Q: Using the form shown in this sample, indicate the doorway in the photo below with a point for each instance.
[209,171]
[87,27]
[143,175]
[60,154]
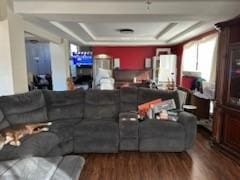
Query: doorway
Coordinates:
[38,62]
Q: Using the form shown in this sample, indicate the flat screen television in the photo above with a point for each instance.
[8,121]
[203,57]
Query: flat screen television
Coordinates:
[82,58]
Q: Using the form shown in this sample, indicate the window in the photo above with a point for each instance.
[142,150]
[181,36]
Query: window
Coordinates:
[200,56]
[190,57]
[73,48]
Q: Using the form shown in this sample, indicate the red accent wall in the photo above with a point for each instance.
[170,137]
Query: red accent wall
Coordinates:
[130,57]
[134,57]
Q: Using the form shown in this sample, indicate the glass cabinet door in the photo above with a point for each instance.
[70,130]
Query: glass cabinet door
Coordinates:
[156,68]
[234,77]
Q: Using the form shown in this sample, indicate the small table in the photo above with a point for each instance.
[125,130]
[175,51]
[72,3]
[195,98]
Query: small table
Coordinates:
[190,108]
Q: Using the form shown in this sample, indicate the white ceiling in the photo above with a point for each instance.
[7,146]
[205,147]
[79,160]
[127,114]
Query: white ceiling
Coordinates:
[95,22]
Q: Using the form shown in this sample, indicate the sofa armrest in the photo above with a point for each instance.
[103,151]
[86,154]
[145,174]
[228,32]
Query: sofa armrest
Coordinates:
[128,125]
[128,116]
[128,131]
[189,122]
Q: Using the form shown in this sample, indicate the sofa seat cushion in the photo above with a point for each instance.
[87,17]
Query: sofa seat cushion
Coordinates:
[157,136]
[96,136]
[63,148]
[63,128]
[24,108]
[102,129]
[64,104]
[34,145]
[54,168]
[152,128]
[101,104]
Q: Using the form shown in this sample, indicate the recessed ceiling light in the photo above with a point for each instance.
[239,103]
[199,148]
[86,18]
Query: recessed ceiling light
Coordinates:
[34,41]
[125,31]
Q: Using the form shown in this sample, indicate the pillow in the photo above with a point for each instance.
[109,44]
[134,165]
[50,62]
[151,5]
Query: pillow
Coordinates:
[161,107]
[143,108]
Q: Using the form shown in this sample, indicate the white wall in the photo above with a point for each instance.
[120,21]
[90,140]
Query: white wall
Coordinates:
[6,75]
[13,73]
[18,53]
[13,66]
[60,65]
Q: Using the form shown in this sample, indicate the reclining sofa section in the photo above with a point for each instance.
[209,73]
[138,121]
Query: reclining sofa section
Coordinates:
[88,122]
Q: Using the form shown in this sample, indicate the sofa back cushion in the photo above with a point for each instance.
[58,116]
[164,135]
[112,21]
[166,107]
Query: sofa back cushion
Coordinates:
[146,95]
[128,99]
[1,116]
[64,104]
[24,108]
[101,105]
[3,122]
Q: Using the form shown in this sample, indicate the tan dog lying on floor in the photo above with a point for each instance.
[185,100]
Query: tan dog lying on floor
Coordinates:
[70,84]
[12,135]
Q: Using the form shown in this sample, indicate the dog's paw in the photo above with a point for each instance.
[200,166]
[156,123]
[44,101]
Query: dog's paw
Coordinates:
[1,146]
[49,123]
[45,129]
[13,143]
[18,143]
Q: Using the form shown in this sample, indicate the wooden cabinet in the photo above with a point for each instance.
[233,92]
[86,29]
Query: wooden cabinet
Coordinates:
[226,130]
[231,131]
[102,61]
[164,69]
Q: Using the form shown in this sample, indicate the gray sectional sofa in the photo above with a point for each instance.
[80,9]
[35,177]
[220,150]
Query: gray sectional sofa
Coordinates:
[88,122]
[38,168]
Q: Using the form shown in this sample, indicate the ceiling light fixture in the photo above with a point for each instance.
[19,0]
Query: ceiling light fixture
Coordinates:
[126,31]
[148,3]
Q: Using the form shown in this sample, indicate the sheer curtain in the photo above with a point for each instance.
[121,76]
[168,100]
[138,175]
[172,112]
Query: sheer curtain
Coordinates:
[201,56]
[73,48]
[214,62]
[207,50]
[190,56]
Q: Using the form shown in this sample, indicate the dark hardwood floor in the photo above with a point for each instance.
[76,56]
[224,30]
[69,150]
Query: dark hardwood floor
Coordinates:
[200,163]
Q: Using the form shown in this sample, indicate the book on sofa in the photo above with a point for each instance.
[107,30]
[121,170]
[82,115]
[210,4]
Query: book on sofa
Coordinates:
[162,110]
[164,105]
[143,109]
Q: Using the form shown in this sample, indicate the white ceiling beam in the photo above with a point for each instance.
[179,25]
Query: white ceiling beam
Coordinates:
[165,30]
[40,32]
[126,7]
[115,39]
[61,13]
[186,31]
[68,31]
[132,43]
[88,31]
[123,18]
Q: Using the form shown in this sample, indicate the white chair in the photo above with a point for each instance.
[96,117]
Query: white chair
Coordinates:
[104,79]
[107,84]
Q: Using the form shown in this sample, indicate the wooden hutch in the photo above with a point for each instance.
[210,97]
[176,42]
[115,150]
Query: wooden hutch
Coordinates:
[226,124]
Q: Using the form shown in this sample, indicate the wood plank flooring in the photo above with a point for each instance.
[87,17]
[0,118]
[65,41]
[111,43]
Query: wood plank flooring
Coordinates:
[200,163]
